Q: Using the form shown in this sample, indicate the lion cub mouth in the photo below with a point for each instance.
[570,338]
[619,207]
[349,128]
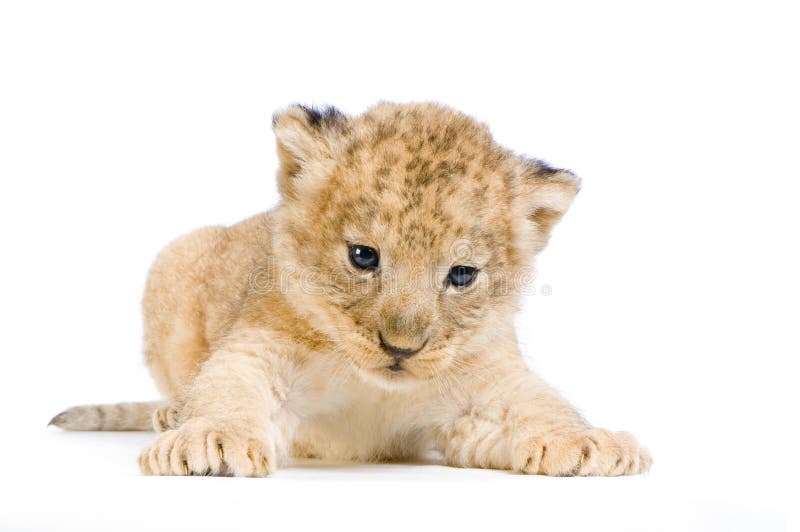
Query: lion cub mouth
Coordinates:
[396,373]
[395,367]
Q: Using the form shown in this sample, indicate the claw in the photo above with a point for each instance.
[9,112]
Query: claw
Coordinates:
[220,452]
[185,468]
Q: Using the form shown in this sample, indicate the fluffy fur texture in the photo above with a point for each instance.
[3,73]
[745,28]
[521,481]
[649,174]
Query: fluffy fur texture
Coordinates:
[269,343]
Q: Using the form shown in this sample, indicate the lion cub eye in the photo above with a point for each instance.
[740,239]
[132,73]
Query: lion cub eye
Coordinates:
[364,257]
[461,276]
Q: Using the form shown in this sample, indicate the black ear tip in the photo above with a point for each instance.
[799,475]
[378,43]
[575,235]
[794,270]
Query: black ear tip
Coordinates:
[326,116]
[317,117]
[544,169]
[537,168]
[313,115]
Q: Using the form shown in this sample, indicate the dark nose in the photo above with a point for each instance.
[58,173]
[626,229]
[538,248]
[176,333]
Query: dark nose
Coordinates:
[400,353]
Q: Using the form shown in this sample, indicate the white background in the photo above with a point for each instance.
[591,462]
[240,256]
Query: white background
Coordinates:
[674,303]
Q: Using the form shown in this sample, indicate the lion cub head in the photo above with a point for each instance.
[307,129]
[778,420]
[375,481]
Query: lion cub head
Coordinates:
[408,232]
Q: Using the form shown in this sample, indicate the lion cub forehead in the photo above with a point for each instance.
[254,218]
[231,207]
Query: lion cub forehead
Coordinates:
[421,157]
[423,173]
[428,140]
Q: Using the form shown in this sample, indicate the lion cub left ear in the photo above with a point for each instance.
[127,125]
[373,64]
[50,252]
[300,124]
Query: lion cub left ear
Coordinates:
[305,135]
[544,196]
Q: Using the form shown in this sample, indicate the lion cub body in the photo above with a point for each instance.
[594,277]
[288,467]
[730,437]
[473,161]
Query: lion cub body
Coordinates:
[269,340]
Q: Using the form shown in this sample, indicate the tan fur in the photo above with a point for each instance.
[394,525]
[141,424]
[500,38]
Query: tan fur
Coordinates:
[267,340]
[120,416]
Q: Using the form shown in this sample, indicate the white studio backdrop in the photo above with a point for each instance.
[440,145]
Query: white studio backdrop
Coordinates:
[665,304]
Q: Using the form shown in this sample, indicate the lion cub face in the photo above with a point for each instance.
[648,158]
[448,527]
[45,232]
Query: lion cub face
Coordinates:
[408,232]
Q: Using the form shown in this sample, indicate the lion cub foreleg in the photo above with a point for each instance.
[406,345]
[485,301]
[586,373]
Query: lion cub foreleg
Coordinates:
[520,423]
[231,420]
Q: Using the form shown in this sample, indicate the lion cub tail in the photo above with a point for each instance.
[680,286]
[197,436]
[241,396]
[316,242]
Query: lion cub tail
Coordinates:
[119,416]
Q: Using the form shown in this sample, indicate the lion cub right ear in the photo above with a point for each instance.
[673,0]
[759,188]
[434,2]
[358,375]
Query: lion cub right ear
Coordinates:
[305,136]
[543,196]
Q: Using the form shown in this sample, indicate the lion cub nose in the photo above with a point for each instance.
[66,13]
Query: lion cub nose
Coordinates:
[400,353]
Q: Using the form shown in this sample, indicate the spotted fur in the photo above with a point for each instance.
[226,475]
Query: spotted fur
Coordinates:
[269,343]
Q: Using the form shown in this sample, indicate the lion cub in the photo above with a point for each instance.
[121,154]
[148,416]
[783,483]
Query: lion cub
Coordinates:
[369,316]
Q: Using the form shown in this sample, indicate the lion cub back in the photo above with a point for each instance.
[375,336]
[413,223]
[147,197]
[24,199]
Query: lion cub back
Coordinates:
[193,294]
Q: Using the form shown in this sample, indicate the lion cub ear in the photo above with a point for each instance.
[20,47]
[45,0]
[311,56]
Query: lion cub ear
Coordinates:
[545,195]
[304,135]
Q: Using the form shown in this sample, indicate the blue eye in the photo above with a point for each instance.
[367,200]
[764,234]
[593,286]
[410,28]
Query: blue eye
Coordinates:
[364,257]
[461,276]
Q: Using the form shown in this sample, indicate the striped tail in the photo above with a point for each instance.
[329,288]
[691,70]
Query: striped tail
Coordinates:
[119,416]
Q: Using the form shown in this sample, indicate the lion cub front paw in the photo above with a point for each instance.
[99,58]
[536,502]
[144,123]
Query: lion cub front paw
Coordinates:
[592,452]
[197,448]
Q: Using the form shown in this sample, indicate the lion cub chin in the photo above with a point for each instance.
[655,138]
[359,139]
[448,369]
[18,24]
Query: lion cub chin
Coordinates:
[369,316]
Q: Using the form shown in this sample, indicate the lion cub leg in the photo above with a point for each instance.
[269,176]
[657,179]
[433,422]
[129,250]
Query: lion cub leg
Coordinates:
[530,429]
[231,421]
